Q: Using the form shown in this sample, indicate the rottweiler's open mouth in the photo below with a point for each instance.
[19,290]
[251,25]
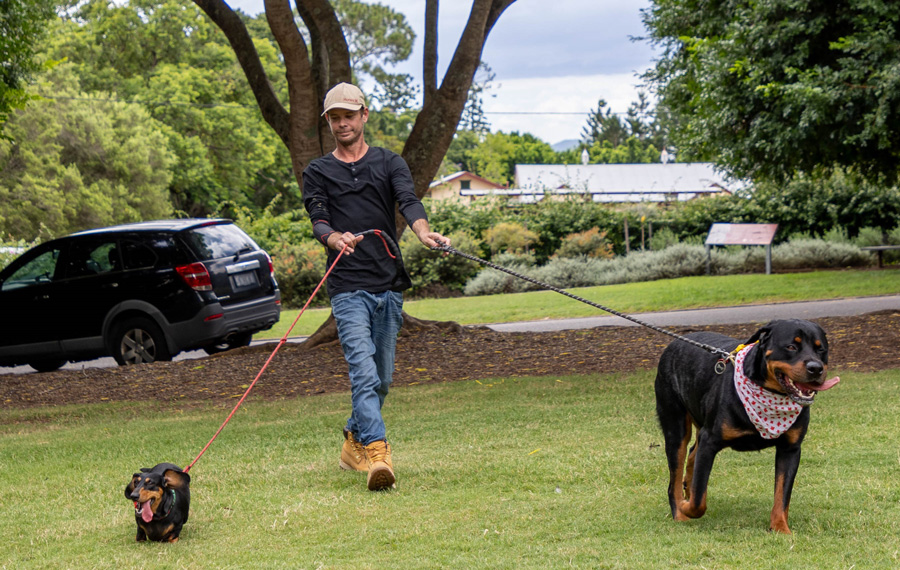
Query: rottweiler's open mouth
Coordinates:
[803,393]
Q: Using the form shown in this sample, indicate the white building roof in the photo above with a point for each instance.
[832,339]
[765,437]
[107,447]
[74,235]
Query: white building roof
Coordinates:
[608,182]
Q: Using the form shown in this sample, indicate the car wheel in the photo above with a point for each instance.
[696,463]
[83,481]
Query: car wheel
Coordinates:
[234,341]
[47,365]
[137,341]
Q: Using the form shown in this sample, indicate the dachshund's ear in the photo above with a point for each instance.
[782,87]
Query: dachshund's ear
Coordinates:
[761,334]
[176,479]
[131,485]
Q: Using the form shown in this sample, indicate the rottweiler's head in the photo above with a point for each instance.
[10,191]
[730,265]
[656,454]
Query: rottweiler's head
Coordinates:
[791,358]
[148,487]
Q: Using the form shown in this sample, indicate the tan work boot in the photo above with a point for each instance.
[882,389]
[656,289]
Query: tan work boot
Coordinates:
[353,454]
[381,468]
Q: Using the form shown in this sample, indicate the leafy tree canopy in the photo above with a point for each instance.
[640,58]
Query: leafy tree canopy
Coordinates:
[22,27]
[79,162]
[495,155]
[771,88]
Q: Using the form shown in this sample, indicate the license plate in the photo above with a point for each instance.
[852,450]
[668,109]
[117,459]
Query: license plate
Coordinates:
[245,280]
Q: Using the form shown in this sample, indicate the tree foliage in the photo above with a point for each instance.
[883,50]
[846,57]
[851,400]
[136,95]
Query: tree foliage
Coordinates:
[75,163]
[771,88]
[809,205]
[495,155]
[168,56]
[22,27]
[376,36]
[604,125]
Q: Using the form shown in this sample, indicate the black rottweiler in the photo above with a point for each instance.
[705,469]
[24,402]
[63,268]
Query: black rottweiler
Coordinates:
[162,498]
[782,372]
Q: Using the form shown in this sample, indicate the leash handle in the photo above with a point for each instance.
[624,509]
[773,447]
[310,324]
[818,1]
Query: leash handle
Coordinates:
[390,246]
[726,356]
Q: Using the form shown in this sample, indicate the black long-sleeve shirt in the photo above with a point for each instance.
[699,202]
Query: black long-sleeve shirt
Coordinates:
[358,196]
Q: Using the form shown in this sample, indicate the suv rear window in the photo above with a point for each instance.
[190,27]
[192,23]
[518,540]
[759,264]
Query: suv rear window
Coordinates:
[214,242]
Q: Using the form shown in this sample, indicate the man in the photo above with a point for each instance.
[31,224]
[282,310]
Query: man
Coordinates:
[353,189]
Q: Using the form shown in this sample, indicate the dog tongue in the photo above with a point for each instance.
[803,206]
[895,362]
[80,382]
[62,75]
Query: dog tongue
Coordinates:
[146,513]
[825,385]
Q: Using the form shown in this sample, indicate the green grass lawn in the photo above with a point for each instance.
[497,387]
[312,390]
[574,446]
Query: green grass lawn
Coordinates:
[663,295]
[553,472]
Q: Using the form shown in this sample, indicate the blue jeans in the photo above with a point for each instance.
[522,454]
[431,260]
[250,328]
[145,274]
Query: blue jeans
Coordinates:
[367,327]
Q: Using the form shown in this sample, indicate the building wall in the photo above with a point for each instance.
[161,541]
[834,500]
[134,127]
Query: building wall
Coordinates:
[452,190]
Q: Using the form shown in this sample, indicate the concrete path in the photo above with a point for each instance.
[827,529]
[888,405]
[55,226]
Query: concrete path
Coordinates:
[717,316]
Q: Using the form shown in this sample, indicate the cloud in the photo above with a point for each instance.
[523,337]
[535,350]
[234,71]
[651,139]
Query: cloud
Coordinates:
[560,56]
[575,94]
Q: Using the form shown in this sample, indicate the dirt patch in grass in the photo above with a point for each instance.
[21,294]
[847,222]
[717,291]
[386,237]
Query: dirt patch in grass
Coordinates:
[860,343]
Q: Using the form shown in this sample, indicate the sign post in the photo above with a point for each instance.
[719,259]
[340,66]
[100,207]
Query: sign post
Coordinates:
[741,234]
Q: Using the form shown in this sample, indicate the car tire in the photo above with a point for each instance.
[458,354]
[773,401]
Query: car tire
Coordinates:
[47,365]
[138,341]
[235,341]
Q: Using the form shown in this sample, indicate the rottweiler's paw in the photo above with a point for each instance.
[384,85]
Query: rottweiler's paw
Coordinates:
[689,511]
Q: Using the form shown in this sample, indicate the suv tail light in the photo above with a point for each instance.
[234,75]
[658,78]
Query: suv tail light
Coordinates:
[271,265]
[196,276]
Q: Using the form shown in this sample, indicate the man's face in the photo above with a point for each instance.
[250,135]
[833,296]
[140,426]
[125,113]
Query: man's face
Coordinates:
[346,125]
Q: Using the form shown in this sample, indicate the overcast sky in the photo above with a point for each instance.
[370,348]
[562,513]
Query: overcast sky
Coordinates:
[549,56]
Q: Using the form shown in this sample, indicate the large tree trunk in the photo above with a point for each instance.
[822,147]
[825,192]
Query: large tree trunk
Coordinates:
[312,70]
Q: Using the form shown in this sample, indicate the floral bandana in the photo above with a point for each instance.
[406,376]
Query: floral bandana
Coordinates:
[771,413]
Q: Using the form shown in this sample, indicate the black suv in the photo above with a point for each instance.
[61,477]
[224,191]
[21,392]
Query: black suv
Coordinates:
[139,293]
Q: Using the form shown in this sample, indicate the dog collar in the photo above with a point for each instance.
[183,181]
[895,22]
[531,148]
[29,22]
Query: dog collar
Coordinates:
[772,413]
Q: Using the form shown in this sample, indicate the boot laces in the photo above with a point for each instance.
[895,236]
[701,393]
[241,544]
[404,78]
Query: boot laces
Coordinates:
[377,451]
[359,450]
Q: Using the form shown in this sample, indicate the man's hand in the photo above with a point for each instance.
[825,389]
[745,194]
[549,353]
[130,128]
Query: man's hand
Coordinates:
[338,241]
[428,237]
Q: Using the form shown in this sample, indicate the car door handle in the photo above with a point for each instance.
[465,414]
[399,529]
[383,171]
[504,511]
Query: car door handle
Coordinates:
[109,285]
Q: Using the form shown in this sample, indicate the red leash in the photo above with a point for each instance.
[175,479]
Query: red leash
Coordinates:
[271,356]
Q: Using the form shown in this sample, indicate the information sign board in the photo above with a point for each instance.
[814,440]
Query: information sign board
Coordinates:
[741,234]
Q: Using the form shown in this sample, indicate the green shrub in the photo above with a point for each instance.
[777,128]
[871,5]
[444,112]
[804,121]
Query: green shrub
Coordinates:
[434,274]
[491,281]
[299,269]
[816,254]
[569,272]
[590,243]
[681,260]
[509,237]
[269,230]
[663,238]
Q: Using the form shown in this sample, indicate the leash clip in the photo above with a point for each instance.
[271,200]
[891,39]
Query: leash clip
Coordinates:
[722,363]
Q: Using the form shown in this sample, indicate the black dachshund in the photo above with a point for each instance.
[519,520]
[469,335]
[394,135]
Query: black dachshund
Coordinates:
[761,401]
[162,498]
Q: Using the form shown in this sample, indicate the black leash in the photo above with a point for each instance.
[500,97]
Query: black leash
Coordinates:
[724,354]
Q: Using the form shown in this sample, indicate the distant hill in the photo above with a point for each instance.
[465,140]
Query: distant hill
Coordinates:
[565,145]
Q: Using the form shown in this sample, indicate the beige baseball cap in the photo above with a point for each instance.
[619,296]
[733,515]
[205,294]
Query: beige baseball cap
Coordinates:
[344,96]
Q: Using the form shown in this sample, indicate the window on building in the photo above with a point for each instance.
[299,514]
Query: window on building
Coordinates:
[465,184]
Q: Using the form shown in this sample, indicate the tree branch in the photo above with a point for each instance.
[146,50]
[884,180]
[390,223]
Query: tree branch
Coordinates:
[231,25]
[430,137]
[330,59]
[430,56]
[328,36]
[304,115]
